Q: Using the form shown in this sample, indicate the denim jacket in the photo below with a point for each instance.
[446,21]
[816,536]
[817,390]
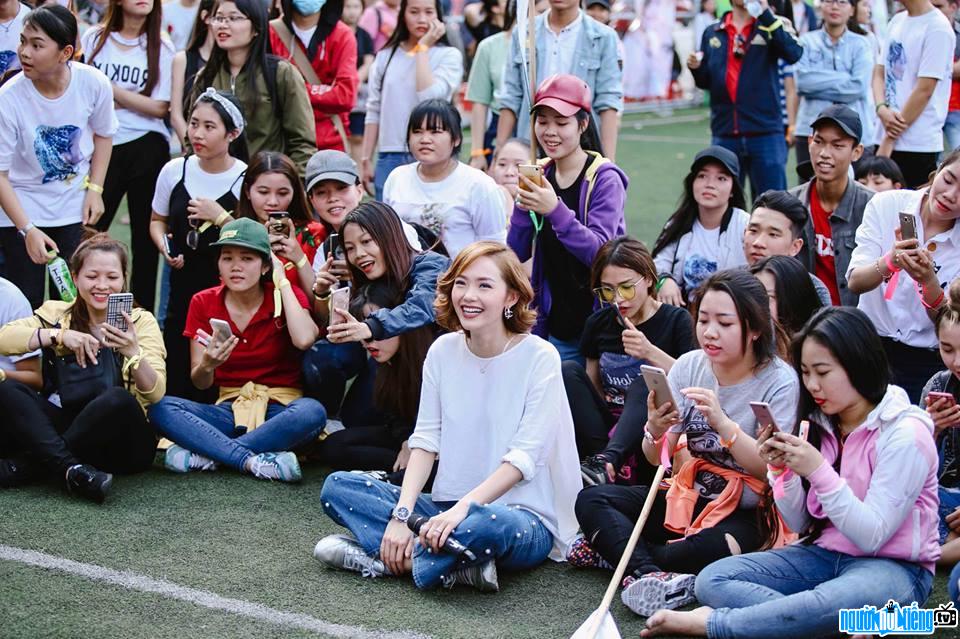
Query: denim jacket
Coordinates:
[596,62]
[829,73]
[417,307]
[843,230]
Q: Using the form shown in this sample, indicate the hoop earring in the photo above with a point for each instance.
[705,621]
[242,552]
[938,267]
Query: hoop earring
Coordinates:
[507,313]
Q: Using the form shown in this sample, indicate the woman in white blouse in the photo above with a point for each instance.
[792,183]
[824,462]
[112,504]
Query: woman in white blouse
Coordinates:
[494,410]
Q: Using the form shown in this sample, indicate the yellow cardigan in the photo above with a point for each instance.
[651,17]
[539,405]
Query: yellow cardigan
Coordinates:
[15,336]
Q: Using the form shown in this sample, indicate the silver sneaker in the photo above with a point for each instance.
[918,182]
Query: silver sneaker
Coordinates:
[658,590]
[343,552]
[483,577]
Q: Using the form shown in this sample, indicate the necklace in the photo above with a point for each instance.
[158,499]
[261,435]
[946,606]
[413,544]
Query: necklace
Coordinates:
[6,25]
[486,365]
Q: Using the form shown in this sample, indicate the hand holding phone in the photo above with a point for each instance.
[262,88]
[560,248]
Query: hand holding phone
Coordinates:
[221,330]
[117,305]
[933,396]
[533,172]
[908,226]
[656,379]
[761,410]
[339,299]
[278,223]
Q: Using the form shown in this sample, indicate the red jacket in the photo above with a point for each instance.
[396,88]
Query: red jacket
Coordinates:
[336,66]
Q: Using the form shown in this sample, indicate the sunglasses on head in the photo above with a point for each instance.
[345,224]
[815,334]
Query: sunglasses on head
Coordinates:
[626,291]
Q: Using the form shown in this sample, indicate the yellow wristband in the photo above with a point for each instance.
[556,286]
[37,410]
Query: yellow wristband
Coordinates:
[222,219]
[133,363]
[302,261]
[91,186]
[284,283]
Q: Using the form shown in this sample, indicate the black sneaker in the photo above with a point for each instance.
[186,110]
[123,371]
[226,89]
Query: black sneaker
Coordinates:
[17,472]
[88,482]
[593,470]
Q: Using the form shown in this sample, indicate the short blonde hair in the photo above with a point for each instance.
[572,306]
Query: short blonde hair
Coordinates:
[512,273]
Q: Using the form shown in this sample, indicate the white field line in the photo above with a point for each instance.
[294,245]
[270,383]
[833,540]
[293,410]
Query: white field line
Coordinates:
[135,581]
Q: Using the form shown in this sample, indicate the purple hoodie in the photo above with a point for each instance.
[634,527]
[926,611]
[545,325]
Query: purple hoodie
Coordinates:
[582,235]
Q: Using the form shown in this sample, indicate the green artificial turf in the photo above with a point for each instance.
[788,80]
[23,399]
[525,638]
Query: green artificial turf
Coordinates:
[252,540]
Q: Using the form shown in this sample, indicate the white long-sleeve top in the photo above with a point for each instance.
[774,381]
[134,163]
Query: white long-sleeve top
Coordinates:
[477,413]
[883,502]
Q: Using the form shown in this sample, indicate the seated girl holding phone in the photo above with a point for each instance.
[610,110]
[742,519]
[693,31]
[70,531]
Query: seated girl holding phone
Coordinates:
[261,414]
[83,442]
[381,442]
[564,218]
[192,200]
[632,329]
[904,259]
[273,194]
[939,399]
[493,411]
[717,505]
[863,490]
[378,248]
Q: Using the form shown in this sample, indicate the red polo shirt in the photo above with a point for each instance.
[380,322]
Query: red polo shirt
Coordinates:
[733,62]
[265,354]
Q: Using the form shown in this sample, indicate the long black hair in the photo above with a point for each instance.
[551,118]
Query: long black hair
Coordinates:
[198,35]
[113,23]
[329,16]
[258,63]
[797,299]
[402,33]
[682,219]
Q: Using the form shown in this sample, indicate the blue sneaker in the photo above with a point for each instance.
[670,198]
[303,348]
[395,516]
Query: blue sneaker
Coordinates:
[280,466]
[180,460]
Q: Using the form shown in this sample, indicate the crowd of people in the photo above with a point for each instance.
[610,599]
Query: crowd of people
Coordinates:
[478,349]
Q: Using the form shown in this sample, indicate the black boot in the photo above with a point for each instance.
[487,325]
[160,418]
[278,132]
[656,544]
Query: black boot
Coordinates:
[88,482]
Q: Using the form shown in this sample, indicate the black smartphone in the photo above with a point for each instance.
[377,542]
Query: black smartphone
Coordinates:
[169,246]
[278,223]
[336,251]
[619,316]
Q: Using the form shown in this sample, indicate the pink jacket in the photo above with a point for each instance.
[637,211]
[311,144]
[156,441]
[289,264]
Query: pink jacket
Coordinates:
[883,503]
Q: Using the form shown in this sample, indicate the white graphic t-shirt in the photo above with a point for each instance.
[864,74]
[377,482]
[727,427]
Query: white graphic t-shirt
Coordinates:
[10,40]
[127,69]
[463,208]
[702,257]
[919,47]
[46,145]
[178,22]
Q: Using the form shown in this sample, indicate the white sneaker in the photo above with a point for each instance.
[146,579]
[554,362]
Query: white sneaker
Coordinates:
[343,552]
[180,460]
[658,590]
[282,466]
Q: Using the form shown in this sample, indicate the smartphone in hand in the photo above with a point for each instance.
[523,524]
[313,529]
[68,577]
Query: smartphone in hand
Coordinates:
[761,410]
[221,330]
[278,225]
[339,298]
[533,172]
[908,226]
[117,305]
[656,379]
[934,396]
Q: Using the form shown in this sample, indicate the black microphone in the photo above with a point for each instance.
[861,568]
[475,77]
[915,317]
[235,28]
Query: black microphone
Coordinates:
[451,545]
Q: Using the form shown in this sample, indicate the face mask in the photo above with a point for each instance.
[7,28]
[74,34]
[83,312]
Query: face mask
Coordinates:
[308,7]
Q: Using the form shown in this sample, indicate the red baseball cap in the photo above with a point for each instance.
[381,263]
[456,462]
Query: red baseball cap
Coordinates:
[566,94]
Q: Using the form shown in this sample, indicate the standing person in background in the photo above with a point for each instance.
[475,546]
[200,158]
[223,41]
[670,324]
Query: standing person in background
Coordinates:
[310,31]
[350,16]
[186,65]
[705,234]
[836,67]
[436,69]
[741,76]
[130,48]
[274,99]
[379,20]
[486,76]
[179,17]
[951,127]
[12,13]
[566,44]
[706,16]
[805,16]
[563,221]
[911,87]
[835,202]
[458,203]
[56,123]
[902,282]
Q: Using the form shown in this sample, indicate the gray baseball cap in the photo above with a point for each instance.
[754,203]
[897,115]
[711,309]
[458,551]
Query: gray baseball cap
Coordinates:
[331,165]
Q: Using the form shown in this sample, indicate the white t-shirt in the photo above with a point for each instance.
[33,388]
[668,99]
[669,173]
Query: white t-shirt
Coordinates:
[10,40]
[919,47]
[903,317]
[13,306]
[198,182]
[305,35]
[478,413]
[392,98]
[127,69]
[561,48]
[46,145]
[703,256]
[461,209]
[178,22]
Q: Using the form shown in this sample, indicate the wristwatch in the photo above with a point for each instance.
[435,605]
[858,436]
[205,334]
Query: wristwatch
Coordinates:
[23,232]
[401,514]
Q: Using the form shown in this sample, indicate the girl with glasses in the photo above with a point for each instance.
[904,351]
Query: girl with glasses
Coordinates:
[631,329]
[271,90]
[190,203]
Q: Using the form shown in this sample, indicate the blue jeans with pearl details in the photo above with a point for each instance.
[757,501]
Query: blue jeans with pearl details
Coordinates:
[514,537]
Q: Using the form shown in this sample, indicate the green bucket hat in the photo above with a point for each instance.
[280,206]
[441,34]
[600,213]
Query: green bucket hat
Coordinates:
[245,233]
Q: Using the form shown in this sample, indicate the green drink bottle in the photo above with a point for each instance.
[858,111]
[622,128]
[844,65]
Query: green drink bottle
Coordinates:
[60,274]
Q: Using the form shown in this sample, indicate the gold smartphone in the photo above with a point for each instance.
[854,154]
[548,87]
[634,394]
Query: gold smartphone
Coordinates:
[533,172]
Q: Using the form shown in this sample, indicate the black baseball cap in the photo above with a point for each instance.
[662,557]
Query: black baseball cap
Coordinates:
[843,117]
[726,157]
[603,3]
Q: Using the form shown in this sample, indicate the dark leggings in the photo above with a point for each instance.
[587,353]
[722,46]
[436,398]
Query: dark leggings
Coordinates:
[361,448]
[110,433]
[608,513]
[31,278]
